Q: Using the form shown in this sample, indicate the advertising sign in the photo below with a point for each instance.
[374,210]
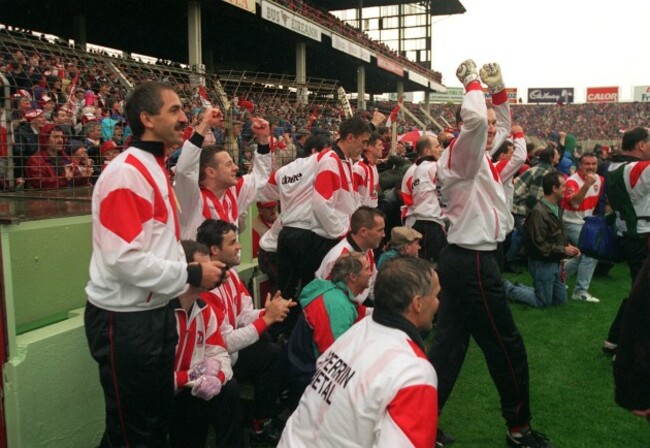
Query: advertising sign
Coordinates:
[642,94]
[248,5]
[550,95]
[390,66]
[290,21]
[602,94]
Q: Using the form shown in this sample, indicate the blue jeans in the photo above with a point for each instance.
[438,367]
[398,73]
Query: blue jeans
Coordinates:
[548,288]
[583,265]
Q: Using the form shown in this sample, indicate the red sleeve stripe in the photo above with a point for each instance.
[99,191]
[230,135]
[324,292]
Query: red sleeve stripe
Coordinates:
[637,170]
[317,318]
[260,325]
[500,97]
[415,411]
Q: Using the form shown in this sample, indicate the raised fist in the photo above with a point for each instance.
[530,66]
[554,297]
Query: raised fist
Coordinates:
[491,77]
[466,72]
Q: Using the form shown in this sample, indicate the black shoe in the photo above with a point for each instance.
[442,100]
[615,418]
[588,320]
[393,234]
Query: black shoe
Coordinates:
[511,268]
[443,439]
[269,436]
[528,439]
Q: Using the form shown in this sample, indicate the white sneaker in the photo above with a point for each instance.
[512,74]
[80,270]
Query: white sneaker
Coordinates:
[585,297]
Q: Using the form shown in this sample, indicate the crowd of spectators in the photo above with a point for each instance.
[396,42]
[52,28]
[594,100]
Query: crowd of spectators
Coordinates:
[42,75]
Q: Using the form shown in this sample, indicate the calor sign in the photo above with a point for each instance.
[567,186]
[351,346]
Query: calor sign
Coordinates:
[602,94]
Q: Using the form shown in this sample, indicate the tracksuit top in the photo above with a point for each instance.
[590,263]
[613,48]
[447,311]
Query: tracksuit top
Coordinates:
[426,206]
[293,186]
[471,188]
[628,189]
[198,338]
[508,168]
[406,192]
[344,246]
[138,262]
[269,241]
[334,198]
[373,387]
[330,310]
[367,180]
[241,324]
[574,183]
[198,204]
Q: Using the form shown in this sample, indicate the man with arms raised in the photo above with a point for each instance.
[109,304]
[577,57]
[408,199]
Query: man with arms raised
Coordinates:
[473,301]
[206,180]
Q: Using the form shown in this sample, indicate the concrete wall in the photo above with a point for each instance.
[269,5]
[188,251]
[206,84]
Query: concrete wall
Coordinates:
[52,395]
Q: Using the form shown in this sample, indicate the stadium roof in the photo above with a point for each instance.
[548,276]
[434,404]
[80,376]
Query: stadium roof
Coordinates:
[437,7]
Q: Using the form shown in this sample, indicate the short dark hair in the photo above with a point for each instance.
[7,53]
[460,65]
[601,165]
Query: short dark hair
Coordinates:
[503,149]
[207,159]
[211,232]
[145,98]
[546,155]
[316,142]
[192,247]
[381,130]
[374,136]
[399,281]
[634,136]
[364,216]
[354,125]
[550,180]
[346,264]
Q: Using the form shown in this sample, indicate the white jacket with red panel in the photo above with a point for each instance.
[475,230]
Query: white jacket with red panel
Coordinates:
[471,188]
[373,387]
[138,262]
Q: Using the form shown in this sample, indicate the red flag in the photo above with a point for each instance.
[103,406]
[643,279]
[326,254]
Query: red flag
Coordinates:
[393,115]
[203,94]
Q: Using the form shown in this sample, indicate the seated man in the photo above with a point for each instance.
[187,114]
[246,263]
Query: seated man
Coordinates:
[206,393]
[329,309]
[366,232]
[256,358]
[374,385]
[404,242]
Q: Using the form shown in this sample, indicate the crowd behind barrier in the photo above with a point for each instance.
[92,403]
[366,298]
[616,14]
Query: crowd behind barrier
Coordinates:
[42,75]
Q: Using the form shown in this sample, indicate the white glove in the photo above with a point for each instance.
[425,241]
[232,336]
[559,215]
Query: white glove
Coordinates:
[208,366]
[491,77]
[206,387]
[466,72]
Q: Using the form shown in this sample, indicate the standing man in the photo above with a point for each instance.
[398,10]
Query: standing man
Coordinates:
[366,174]
[473,301]
[137,266]
[581,197]
[628,189]
[301,137]
[373,386]
[426,210]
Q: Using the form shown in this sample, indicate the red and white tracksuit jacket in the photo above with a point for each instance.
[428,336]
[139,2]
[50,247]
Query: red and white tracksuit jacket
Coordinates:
[508,168]
[242,324]
[426,206]
[198,338]
[471,188]
[138,262]
[406,192]
[293,186]
[335,195]
[344,246]
[373,387]
[577,215]
[367,181]
[198,204]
